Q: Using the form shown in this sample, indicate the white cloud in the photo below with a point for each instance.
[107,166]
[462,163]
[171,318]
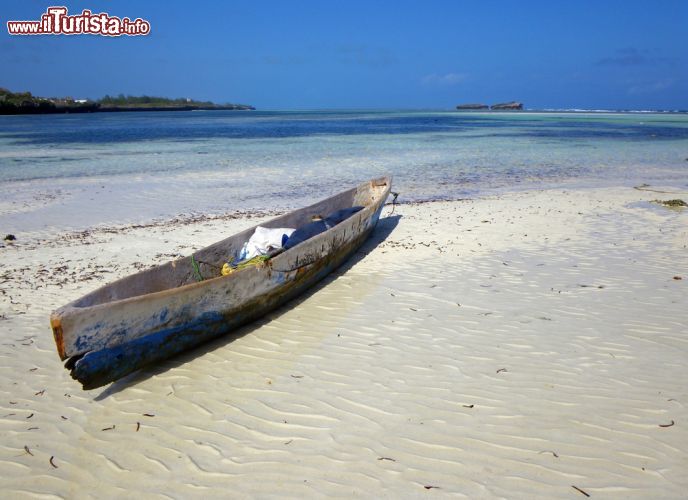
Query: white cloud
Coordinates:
[445,80]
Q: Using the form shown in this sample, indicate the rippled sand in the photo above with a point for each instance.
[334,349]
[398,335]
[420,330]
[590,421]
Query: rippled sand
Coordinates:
[511,346]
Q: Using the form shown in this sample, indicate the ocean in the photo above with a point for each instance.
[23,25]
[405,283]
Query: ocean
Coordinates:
[72,172]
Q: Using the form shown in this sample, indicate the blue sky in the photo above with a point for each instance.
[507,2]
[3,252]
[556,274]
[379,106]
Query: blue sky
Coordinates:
[367,54]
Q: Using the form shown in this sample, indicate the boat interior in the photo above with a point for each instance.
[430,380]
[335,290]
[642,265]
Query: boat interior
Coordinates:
[208,261]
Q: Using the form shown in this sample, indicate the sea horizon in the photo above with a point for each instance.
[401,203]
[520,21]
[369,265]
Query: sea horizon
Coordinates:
[392,109]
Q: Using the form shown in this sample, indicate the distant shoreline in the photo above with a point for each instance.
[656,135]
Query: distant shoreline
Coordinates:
[117,109]
[24,103]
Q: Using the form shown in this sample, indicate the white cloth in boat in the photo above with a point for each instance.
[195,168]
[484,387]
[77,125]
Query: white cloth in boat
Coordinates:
[263,240]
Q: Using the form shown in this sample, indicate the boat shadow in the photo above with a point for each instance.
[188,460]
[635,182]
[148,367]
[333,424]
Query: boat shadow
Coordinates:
[384,228]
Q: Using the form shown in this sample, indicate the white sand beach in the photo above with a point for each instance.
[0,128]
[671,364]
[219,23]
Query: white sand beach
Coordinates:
[524,345]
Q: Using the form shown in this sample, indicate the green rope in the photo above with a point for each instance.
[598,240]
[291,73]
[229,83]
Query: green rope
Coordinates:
[196,269]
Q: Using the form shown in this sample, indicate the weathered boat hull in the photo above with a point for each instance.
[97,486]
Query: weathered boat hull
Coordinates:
[98,368]
[114,338]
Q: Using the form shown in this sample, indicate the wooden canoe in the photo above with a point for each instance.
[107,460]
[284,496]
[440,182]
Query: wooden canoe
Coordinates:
[157,313]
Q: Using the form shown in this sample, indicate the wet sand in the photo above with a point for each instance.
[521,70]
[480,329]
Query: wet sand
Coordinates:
[529,344]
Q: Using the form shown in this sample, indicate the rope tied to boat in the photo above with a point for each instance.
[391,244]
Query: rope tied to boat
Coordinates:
[394,201]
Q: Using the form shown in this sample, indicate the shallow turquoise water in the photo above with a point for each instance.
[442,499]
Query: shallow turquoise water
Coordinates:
[75,171]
